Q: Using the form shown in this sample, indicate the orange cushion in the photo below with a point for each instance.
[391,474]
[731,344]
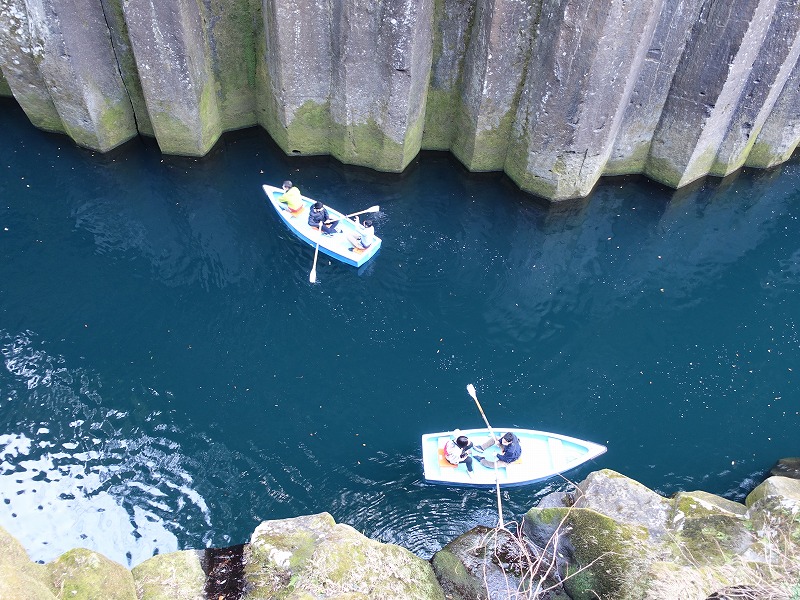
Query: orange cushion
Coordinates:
[443,462]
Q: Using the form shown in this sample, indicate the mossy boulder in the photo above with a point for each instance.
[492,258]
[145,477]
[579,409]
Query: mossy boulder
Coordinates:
[709,529]
[785,489]
[14,559]
[14,583]
[624,500]
[634,544]
[172,576]
[313,557]
[82,574]
[483,563]
[596,555]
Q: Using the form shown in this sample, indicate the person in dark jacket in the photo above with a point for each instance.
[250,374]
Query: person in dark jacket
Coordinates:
[510,450]
[318,218]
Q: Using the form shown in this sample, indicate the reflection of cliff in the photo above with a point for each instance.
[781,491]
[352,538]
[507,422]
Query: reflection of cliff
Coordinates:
[556,93]
[618,250]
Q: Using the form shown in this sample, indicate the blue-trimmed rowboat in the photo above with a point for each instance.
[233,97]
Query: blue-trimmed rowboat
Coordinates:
[543,455]
[337,245]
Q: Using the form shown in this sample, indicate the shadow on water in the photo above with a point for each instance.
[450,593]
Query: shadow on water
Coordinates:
[171,378]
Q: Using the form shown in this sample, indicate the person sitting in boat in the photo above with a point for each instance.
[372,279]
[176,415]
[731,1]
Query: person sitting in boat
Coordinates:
[318,218]
[291,197]
[364,236]
[458,451]
[510,450]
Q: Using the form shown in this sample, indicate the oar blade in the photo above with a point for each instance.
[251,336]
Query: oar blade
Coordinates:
[471,391]
[375,208]
[312,277]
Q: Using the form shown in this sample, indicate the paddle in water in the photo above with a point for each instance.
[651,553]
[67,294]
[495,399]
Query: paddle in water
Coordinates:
[371,209]
[312,277]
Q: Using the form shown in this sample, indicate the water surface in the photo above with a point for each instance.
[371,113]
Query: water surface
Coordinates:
[170,377]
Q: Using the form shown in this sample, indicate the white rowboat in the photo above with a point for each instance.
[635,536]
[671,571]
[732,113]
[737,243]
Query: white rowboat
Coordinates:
[543,455]
[336,245]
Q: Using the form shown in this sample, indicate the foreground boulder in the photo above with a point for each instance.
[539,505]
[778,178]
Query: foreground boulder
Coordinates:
[487,563]
[313,557]
[171,576]
[620,540]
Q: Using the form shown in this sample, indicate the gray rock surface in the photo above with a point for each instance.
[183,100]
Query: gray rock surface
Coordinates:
[787,467]
[60,56]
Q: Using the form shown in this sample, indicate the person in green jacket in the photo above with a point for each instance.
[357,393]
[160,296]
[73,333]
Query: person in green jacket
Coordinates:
[292,198]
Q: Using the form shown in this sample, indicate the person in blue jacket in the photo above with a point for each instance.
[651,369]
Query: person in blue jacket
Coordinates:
[318,219]
[510,450]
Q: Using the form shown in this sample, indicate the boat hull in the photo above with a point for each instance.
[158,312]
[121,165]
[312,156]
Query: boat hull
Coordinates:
[543,455]
[337,245]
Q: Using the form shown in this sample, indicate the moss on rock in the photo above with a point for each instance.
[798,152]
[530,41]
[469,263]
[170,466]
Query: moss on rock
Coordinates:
[313,557]
[82,574]
[14,557]
[5,89]
[172,576]
[16,584]
[310,131]
[481,560]
[367,145]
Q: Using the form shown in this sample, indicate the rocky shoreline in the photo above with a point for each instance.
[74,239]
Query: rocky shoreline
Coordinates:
[610,537]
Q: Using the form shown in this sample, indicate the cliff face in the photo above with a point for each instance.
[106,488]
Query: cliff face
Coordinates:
[556,93]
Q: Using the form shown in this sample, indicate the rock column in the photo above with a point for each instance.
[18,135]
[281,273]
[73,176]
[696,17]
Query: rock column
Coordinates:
[173,60]
[585,61]
[60,64]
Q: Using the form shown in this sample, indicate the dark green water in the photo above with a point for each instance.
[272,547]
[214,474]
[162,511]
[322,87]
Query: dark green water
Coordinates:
[171,378]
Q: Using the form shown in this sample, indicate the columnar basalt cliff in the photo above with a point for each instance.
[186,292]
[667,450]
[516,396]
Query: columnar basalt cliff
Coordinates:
[555,93]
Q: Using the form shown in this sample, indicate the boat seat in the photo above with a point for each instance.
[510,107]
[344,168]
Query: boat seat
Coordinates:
[556,448]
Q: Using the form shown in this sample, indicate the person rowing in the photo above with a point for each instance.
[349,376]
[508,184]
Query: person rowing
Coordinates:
[318,218]
[364,235]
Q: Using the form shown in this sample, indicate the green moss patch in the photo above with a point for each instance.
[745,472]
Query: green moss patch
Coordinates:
[81,574]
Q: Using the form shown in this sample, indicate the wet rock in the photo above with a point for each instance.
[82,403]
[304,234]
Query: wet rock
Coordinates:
[787,467]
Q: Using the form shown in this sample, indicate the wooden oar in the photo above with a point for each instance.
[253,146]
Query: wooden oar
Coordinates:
[361,212]
[471,391]
[312,277]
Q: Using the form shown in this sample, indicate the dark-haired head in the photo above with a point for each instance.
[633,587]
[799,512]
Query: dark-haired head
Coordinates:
[317,205]
[367,223]
[462,441]
[509,437]
[287,184]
